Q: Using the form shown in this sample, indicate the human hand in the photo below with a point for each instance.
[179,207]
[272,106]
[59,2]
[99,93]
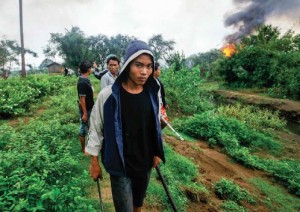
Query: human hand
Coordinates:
[84,117]
[95,169]
[156,161]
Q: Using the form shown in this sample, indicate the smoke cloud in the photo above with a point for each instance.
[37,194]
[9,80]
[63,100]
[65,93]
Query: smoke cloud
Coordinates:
[251,14]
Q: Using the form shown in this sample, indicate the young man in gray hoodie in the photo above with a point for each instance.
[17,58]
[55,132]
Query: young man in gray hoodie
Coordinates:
[125,128]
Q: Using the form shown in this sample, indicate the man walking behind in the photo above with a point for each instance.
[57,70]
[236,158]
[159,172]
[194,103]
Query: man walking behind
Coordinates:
[86,100]
[125,127]
[109,78]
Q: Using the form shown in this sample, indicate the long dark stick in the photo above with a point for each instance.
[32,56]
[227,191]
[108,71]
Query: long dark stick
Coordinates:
[166,188]
[99,191]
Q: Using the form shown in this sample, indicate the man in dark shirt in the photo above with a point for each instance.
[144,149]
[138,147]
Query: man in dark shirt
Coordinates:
[125,127]
[86,100]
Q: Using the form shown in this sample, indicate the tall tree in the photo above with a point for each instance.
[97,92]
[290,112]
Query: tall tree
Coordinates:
[98,49]
[71,46]
[160,47]
[101,46]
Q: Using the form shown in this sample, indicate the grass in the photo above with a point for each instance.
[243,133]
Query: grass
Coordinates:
[277,198]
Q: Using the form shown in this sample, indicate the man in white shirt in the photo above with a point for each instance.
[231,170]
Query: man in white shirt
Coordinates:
[109,78]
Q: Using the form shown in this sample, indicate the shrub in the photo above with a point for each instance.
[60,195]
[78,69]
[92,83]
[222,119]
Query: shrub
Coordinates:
[228,190]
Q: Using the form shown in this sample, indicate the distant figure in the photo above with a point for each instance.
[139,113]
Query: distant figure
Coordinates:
[161,96]
[66,72]
[97,73]
[109,78]
[162,89]
[86,100]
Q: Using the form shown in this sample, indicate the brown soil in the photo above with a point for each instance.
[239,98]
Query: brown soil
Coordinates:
[213,165]
[288,108]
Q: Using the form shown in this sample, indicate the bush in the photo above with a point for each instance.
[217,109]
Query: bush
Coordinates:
[228,190]
[184,93]
[228,132]
[232,206]
[17,94]
[253,116]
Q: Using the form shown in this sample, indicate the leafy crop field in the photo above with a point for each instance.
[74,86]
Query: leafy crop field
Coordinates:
[43,169]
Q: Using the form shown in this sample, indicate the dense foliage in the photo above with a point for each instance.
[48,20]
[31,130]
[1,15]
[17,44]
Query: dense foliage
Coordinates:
[40,162]
[266,60]
[17,95]
[183,91]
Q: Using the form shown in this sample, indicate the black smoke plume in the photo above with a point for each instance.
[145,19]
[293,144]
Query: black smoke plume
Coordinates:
[251,14]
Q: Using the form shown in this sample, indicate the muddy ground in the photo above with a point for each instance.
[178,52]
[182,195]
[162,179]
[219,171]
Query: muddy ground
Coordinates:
[213,165]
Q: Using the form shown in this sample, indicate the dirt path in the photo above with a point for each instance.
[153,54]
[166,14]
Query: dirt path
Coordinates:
[15,121]
[288,108]
[213,165]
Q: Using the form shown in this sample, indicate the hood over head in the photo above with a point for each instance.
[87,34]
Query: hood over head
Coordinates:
[135,49]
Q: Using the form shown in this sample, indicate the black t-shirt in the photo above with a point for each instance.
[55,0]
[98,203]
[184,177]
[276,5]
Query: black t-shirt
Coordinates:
[84,88]
[138,128]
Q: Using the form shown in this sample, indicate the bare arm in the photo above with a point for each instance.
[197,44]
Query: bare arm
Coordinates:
[83,108]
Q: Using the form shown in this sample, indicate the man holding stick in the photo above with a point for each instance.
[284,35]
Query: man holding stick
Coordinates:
[125,127]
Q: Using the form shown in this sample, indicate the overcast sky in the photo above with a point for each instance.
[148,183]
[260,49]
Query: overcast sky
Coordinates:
[195,25]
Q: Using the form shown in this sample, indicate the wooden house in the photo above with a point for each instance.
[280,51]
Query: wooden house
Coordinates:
[54,68]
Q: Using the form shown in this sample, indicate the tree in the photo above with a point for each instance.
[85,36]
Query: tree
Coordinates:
[176,59]
[206,61]
[160,47]
[117,44]
[101,46]
[98,49]
[72,47]
[9,55]
[266,60]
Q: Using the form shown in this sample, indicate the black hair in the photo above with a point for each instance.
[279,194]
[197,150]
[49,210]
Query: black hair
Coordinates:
[156,65]
[85,66]
[112,57]
[125,73]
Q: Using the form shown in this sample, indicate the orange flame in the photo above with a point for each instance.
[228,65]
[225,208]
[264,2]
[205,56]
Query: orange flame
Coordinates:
[228,50]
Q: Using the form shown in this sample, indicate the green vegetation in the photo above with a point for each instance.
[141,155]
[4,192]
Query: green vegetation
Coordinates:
[266,60]
[228,190]
[229,206]
[241,142]
[252,116]
[228,132]
[180,86]
[17,95]
[180,173]
[276,198]
[39,161]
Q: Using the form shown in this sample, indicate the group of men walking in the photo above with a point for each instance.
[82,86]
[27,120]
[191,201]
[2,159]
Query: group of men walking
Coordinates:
[124,125]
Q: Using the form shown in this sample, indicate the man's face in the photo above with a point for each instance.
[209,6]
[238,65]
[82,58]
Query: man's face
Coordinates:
[157,72]
[113,66]
[140,69]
